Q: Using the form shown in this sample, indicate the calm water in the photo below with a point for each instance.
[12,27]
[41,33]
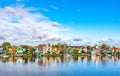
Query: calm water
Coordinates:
[60,66]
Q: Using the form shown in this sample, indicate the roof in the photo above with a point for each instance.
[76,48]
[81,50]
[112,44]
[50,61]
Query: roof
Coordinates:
[115,49]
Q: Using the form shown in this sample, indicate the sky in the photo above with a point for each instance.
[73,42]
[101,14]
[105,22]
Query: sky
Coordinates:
[76,22]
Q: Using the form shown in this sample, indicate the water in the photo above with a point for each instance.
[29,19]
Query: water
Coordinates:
[60,66]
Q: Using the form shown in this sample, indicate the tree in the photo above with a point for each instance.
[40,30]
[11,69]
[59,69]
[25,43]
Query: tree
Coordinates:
[53,54]
[6,44]
[104,46]
[69,50]
[88,47]
[64,47]
[75,51]
[48,52]
[26,51]
[53,46]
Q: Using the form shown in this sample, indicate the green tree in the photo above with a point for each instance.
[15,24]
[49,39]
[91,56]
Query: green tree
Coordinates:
[26,51]
[6,44]
[75,51]
[48,52]
[104,46]
[88,47]
[53,46]
[53,54]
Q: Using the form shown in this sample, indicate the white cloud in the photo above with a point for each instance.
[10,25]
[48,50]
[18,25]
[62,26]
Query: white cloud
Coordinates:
[55,38]
[20,23]
[54,7]
[109,41]
[77,39]
[2,37]
[55,24]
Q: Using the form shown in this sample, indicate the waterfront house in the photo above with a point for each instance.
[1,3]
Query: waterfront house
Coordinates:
[80,51]
[115,51]
[44,48]
[57,49]
[14,48]
[69,50]
[109,52]
[20,50]
[85,49]
[62,48]
[93,51]
[98,50]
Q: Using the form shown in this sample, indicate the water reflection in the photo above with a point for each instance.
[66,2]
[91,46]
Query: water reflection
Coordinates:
[60,66]
[46,61]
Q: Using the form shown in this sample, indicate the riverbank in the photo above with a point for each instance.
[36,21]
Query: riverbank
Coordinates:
[58,55]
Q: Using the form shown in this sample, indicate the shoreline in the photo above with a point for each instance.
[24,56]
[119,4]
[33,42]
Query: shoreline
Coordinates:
[27,56]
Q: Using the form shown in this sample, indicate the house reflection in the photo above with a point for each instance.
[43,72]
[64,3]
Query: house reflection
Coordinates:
[115,58]
[44,61]
[48,61]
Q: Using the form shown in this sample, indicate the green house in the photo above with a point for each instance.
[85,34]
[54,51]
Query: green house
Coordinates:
[93,51]
[109,51]
[19,51]
[69,50]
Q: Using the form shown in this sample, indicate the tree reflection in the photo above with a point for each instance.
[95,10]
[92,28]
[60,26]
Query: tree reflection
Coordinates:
[25,60]
[75,58]
[47,61]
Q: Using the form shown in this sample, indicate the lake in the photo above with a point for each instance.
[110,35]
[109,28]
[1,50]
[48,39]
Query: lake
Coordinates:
[61,66]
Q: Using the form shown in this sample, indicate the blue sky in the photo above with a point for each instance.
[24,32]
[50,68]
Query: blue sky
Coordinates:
[87,19]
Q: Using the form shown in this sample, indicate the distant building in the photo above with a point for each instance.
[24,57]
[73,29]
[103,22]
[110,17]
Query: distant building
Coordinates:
[98,50]
[114,49]
[85,49]
[93,51]
[44,48]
